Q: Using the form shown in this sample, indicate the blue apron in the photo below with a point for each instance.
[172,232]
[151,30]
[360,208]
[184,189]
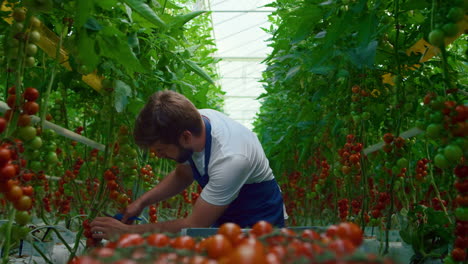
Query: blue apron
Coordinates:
[255,202]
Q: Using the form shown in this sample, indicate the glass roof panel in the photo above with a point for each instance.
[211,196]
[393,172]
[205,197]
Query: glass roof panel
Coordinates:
[241,44]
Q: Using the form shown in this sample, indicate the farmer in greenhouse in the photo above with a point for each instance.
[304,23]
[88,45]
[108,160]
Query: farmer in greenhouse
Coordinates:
[224,157]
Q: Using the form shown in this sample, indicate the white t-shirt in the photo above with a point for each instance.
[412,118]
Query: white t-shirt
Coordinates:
[237,158]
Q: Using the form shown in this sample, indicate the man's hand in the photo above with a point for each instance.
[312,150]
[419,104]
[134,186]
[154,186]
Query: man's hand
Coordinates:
[133,209]
[108,228]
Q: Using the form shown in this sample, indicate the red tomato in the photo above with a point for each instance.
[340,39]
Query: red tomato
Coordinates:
[158,240]
[5,155]
[459,254]
[31,94]
[11,100]
[24,203]
[3,124]
[103,252]
[183,242]
[218,246]
[246,254]
[278,250]
[310,234]
[261,228]
[24,120]
[197,259]
[342,247]
[31,108]
[129,240]
[252,242]
[350,231]
[331,231]
[7,172]
[231,231]
[14,193]
[28,190]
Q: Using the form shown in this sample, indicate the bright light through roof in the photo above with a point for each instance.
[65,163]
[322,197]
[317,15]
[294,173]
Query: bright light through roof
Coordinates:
[241,47]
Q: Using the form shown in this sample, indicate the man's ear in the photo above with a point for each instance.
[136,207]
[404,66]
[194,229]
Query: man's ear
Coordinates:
[186,138]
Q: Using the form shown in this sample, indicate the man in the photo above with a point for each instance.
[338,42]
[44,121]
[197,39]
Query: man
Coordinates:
[223,156]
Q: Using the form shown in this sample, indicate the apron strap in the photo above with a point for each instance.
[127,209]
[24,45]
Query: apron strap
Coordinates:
[203,179]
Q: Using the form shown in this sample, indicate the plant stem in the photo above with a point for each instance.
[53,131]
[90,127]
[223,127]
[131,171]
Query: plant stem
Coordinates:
[6,248]
[436,190]
[52,77]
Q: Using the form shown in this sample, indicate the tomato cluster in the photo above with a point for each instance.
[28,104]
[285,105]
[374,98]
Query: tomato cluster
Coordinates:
[153,214]
[11,179]
[343,207]
[23,39]
[421,169]
[116,191]
[261,244]
[350,157]
[448,24]
[447,124]
[461,214]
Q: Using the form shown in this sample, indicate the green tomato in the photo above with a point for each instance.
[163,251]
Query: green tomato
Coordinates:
[436,37]
[433,130]
[51,158]
[450,29]
[441,161]
[402,163]
[51,146]
[27,133]
[22,218]
[35,143]
[35,165]
[436,117]
[397,185]
[35,154]
[30,61]
[461,213]
[31,49]
[453,152]
[455,14]
[366,116]
[34,36]
[462,142]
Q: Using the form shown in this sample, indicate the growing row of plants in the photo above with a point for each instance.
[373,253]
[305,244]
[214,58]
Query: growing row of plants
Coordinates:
[345,75]
[89,67]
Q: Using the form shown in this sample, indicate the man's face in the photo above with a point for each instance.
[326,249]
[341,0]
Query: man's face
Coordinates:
[177,152]
[184,154]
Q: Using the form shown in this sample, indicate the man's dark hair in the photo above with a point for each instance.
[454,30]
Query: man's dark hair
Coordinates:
[164,117]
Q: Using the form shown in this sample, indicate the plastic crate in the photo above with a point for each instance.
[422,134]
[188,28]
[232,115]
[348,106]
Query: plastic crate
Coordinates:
[206,232]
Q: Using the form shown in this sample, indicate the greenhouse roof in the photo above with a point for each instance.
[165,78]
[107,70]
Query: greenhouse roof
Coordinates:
[242,46]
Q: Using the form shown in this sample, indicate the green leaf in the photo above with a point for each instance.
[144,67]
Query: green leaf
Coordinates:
[198,70]
[145,11]
[122,92]
[106,4]
[84,8]
[180,20]
[87,54]
[111,45]
[168,4]
[292,72]
[92,24]
[364,57]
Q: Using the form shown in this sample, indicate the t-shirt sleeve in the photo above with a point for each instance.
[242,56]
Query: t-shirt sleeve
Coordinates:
[227,176]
